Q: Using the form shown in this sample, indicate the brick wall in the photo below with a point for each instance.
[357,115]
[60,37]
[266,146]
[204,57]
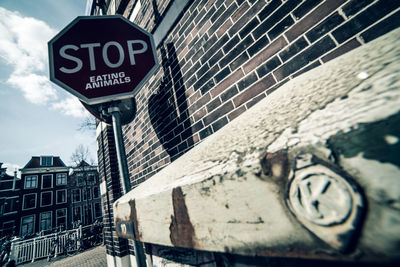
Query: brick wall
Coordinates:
[222,57]
[108,171]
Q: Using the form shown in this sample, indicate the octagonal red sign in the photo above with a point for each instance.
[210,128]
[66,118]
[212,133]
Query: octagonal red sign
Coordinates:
[102,58]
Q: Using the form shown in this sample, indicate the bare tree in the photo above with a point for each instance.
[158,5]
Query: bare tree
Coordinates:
[88,123]
[80,154]
[81,173]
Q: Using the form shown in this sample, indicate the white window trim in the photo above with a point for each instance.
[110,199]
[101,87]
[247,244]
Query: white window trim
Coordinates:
[66,177]
[51,220]
[91,210]
[66,217]
[73,212]
[85,192]
[41,198]
[94,210]
[52,176]
[34,220]
[65,190]
[23,201]
[41,161]
[99,194]
[80,195]
[37,181]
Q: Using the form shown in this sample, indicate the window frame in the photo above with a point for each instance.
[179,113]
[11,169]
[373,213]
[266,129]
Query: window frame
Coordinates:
[50,180]
[73,195]
[33,223]
[40,220]
[59,174]
[41,198]
[80,213]
[80,180]
[66,217]
[14,206]
[86,194]
[23,201]
[12,228]
[94,210]
[89,177]
[65,190]
[25,181]
[43,159]
[98,192]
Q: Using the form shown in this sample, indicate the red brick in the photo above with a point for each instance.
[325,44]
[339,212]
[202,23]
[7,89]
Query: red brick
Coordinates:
[224,28]
[241,10]
[231,79]
[254,90]
[234,114]
[350,45]
[313,18]
[265,54]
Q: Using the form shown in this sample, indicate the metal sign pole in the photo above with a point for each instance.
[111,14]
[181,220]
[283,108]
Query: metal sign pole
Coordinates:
[124,174]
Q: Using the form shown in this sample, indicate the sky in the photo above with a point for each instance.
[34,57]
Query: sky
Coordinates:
[36,116]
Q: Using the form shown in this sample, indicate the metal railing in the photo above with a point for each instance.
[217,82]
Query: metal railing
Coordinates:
[41,247]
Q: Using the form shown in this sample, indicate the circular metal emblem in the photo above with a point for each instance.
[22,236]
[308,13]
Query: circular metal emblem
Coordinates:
[321,198]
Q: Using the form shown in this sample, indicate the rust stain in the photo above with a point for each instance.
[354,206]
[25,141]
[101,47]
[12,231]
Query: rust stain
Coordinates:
[181,229]
[276,165]
[134,220]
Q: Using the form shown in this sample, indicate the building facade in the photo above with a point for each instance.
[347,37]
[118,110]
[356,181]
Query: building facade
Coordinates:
[218,59]
[9,203]
[84,191]
[44,196]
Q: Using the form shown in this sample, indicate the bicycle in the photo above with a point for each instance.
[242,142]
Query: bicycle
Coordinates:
[53,247]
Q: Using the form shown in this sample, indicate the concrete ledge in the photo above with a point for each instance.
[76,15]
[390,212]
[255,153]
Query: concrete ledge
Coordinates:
[310,171]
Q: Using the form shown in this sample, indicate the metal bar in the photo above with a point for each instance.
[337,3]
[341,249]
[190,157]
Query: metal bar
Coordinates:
[124,174]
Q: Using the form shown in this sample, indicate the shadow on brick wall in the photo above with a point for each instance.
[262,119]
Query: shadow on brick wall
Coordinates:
[168,107]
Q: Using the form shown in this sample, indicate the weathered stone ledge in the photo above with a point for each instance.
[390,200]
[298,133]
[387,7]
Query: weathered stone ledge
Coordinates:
[310,171]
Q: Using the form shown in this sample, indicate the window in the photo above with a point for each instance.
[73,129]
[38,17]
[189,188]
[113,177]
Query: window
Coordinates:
[47,181]
[76,195]
[61,179]
[90,178]
[27,225]
[8,228]
[80,180]
[6,185]
[77,214]
[46,198]
[96,192]
[45,221]
[61,196]
[10,205]
[46,161]
[29,201]
[97,210]
[88,216]
[30,181]
[61,218]
[87,194]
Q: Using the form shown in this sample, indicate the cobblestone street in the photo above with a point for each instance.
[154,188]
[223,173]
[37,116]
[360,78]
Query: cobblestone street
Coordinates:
[90,258]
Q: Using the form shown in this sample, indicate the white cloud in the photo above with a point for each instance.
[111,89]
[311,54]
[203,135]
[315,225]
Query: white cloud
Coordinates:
[71,107]
[23,46]
[24,41]
[36,88]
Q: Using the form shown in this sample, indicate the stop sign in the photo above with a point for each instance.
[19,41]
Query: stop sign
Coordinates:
[101,59]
